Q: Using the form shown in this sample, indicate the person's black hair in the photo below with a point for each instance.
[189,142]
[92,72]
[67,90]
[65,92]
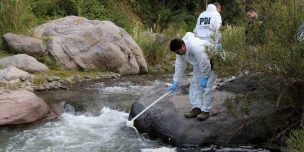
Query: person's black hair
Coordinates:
[217,4]
[176,44]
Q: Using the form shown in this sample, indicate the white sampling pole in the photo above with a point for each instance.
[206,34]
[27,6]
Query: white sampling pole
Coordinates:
[131,122]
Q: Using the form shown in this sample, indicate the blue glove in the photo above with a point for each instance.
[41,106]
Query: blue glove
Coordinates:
[219,46]
[173,86]
[203,82]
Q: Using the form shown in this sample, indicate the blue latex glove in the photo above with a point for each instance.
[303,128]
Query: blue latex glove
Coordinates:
[173,86]
[203,82]
[219,46]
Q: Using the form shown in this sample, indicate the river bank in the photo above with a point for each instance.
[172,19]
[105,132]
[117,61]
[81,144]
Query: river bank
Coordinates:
[54,80]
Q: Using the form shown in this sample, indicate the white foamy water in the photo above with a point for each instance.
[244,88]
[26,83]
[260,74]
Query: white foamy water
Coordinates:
[115,89]
[130,89]
[106,132]
[161,149]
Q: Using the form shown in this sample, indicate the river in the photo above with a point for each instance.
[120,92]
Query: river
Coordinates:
[94,121]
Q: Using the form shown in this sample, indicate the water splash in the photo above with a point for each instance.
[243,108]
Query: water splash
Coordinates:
[161,149]
[73,133]
[68,108]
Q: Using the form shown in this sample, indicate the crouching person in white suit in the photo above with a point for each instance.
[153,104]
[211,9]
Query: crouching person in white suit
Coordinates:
[192,50]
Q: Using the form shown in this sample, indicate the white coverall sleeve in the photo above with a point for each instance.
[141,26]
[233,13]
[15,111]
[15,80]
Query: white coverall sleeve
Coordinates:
[195,30]
[215,26]
[179,68]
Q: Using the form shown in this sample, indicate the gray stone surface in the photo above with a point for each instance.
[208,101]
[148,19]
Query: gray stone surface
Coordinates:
[76,42]
[24,44]
[24,62]
[22,107]
[12,73]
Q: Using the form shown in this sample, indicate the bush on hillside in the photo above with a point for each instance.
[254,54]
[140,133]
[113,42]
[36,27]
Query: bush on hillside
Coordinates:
[93,9]
[296,140]
[234,45]
[15,16]
[280,53]
[154,46]
[233,12]
[46,9]
[159,14]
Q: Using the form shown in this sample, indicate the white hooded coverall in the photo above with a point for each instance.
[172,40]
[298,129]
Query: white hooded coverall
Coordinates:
[208,25]
[196,56]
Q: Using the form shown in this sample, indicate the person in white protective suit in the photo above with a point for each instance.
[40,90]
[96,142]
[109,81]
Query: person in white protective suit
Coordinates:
[191,49]
[208,25]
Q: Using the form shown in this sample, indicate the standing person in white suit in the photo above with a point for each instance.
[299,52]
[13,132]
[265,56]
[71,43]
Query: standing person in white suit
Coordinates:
[208,25]
[192,50]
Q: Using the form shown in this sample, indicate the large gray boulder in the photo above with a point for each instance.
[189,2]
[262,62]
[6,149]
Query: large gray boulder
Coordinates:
[240,121]
[24,62]
[76,42]
[12,74]
[22,107]
[24,44]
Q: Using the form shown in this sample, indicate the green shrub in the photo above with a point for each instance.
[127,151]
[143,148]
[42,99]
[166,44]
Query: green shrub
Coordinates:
[46,8]
[4,54]
[92,9]
[50,62]
[157,15]
[279,53]
[295,142]
[111,10]
[39,79]
[154,46]
[16,17]
[233,12]
[68,7]
[234,45]
[116,14]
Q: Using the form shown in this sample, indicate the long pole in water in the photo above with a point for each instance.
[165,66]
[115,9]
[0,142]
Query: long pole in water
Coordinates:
[131,122]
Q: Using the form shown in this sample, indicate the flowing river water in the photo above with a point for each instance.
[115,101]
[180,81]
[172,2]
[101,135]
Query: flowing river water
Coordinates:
[94,121]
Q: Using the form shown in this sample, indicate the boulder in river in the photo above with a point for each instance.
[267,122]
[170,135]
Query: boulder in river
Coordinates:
[22,107]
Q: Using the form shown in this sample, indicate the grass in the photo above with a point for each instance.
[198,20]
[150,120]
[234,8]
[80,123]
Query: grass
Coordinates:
[233,41]
[41,78]
[154,46]
[295,142]
[4,54]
